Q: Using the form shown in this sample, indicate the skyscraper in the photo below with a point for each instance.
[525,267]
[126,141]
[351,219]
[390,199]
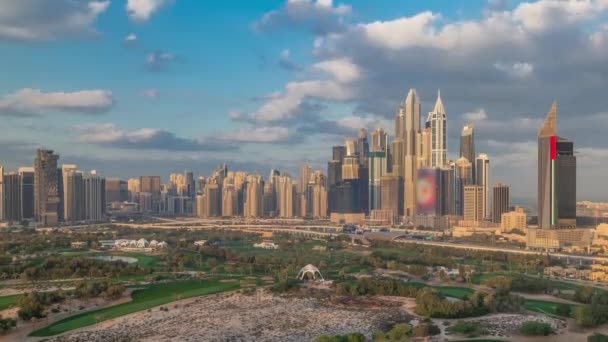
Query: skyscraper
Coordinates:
[500,201]
[94,196]
[65,170]
[151,185]
[362,147]
[190,185]
[286,197]
[482,167]
[12,197]
[305,173]
[473,203]
[438,127]
[46,187]
[408,129]
[74,196]
[556,177]
[377,167]
[27,192]
[116,190]
[467,145]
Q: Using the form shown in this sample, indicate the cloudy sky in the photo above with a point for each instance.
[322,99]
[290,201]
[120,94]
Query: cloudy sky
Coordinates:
[131,87]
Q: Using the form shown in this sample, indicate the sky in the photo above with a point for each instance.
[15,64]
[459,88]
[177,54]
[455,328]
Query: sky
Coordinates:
[150,87]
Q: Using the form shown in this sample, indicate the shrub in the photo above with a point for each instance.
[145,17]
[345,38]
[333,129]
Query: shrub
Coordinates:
[597,337]
[470,329]
[536,328]
[563,310]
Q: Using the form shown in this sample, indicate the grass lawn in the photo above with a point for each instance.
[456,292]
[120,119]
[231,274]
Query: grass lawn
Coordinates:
[478,340]
[7,301]
[543,306]
[152,296]
[454,291]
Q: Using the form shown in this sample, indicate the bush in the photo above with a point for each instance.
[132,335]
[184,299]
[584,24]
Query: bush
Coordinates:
[354,337]
[470,329]
[425,329]
[536,328]
[563,310]
[6,324]
[597,337]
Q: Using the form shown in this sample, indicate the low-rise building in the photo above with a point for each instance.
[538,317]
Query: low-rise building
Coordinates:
[513,220]
[266,245]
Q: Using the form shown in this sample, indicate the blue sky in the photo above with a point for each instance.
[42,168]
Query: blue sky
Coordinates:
[269,84]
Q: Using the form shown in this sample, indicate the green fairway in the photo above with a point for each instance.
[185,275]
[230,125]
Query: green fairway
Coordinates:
[543,306]
[154,295]
[7,301]
[454,291]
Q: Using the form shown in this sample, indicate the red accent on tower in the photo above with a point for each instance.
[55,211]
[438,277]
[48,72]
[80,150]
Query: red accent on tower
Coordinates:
[553,147]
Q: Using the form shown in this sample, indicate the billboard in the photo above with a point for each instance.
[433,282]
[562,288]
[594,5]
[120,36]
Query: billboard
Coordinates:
[426,192]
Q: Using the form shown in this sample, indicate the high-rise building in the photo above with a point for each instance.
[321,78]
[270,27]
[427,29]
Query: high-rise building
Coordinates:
[391,194]
[200,205]
[151,185]
[213,205]
[448,189]
[116,190]
[463,171]
[46,187]
[377,170]
[229,199]
[319,201]
[408,129]
[305,174]
[338,152]
[74,201]
[362,147]
[482,169]
[286,197]
[27,192]
[425,146]
[379,140]
[200,185]
[473,203]
[500,201]
[12,197]
[134,188]
[467,145]
[438,128]
[65,170]
[556,177]
[190,185]
[350,168]
[94,197]
[253,205]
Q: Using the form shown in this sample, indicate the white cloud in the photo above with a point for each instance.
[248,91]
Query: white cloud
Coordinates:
[343,69]
[258,135]
[33,101]
[284,105]
[321,16]
[108,134]
[159,60]
[476,115]
[42,20]
[131,38]
[516,70]
[142,10]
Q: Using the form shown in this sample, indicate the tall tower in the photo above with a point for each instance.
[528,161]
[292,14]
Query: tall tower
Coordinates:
[12,197]
[500,202]
[27,192]
[438,126]
[467,145]
[482,166]
[46,187]
[377,167]
[556,177]
[410,131]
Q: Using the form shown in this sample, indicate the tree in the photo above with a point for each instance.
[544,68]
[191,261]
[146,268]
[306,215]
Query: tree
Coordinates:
[399,332]
[563,309]
[536,328]
[583,294]
[584,316]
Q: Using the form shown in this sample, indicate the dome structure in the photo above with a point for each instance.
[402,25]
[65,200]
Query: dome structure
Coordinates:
[312,272]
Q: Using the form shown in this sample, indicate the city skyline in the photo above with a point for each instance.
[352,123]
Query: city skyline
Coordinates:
[300,83]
